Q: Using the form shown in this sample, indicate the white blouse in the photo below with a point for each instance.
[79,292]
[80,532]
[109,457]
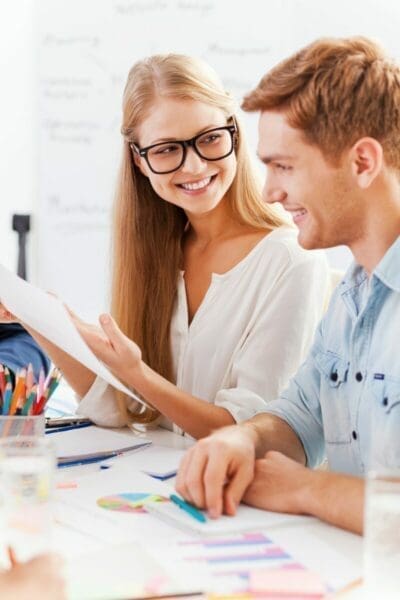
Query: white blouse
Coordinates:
[249,335]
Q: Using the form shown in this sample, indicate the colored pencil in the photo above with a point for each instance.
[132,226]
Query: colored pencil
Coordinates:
[7,399]
[26,397]
[29,401]
[19,390]
[2,380]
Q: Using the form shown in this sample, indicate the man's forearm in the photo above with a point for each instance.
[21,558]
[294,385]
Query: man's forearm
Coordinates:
[337,499]
[269,432]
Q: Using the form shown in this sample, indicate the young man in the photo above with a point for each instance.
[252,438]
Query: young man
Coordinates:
[329,135]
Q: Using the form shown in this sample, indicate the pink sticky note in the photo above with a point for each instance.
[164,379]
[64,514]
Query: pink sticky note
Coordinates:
[286,582]
[65,485]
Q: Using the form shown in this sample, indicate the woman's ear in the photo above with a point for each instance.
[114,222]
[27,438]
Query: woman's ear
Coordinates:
[138,161]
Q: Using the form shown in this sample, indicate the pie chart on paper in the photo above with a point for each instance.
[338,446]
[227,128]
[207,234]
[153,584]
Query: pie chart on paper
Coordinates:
[129,502]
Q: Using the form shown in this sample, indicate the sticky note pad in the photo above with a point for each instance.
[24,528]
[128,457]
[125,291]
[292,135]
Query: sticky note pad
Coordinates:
[287,582]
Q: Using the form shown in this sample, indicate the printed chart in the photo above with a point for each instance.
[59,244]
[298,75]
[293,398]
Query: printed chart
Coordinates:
[228,564]
[129,501]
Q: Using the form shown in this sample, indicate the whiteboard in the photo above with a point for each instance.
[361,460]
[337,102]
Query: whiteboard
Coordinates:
[85,50]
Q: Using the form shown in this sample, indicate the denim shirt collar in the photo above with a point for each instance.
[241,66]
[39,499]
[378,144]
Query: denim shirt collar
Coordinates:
[387,270]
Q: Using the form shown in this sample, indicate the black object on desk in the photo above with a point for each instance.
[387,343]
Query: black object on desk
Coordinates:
[22,225]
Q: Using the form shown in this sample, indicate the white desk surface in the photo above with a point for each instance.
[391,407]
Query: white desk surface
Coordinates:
[335,554]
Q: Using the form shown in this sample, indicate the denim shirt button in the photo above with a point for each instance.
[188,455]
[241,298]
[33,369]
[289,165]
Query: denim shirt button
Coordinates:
[359,376]
[334,376]
[385,401]
[354,435]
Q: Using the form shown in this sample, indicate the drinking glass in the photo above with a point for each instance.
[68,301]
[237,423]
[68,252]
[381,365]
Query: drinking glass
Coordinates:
[382,535]
[27,468]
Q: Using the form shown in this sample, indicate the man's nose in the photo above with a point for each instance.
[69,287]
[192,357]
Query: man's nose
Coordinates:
[273,193]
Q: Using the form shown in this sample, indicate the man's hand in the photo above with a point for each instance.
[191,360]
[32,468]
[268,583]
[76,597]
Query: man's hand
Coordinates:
[280,484]
[215,473]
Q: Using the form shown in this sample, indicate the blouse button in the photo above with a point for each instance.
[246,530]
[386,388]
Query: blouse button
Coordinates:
[385,401]
[354,435]
[334,376]
[359,376]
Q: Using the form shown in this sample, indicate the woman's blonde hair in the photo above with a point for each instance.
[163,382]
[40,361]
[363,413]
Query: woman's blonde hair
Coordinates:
[148,231]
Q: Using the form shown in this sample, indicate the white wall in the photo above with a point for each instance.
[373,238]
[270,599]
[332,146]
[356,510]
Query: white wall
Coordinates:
[18,100]
[17,119]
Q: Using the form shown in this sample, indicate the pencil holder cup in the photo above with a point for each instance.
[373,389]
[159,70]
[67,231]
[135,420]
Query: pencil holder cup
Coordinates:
[32,425]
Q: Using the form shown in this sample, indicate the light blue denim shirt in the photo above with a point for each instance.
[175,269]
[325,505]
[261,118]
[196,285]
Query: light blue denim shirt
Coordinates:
[345,398]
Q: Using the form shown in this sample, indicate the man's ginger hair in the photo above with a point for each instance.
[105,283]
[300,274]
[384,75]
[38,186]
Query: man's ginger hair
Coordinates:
[336,91]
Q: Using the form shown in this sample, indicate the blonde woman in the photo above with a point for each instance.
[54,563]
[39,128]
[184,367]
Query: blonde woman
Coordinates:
[214,304]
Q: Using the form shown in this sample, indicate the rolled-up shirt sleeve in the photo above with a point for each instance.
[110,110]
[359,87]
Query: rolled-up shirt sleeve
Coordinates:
[278,340]
[100,405]
[299,406]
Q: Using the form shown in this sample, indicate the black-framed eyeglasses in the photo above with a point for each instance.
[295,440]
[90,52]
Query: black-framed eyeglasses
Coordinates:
[166,157]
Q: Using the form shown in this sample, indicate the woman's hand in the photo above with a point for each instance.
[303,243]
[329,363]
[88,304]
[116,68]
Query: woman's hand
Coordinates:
[37,579]
[6,316]
[111,346]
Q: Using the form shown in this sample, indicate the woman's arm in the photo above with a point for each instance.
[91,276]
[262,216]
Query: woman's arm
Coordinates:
[195,416]
[79,377]
[277,339]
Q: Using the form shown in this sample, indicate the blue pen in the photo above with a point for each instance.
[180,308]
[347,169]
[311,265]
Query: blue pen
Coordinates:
[188,508]
[68,428]
[98,456]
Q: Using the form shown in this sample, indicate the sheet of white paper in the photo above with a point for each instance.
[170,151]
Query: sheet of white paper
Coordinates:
[156,461]
[48,316]
[123,571]
[88,440]
[334,554]
[246,519]
[77,508]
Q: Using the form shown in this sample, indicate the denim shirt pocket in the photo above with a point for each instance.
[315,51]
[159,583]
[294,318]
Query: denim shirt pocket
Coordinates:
[387,393]
[333,397]
[385,439]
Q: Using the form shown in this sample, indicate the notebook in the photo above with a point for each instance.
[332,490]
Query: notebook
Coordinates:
[77,445]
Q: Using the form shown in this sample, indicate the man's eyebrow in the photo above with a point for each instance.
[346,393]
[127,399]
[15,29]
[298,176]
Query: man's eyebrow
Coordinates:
[274,157]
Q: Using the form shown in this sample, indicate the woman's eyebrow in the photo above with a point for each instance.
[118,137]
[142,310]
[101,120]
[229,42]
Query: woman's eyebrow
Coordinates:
[175,139]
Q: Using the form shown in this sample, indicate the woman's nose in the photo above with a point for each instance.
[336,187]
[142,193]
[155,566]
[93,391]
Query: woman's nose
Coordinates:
[193,162]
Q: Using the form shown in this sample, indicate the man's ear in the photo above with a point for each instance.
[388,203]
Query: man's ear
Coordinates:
[366,157]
